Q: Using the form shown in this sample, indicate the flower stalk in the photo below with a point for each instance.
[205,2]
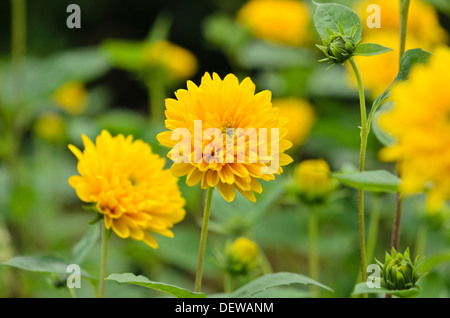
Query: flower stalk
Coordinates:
[104,260]
[362,159]
[204,232]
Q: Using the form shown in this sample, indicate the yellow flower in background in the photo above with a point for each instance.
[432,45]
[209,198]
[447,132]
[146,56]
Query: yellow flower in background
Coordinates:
[241,256]
[129,186]
[420,119]
[424,32]
[50,126]
[233,109]
[280,21]
[423,20]
[179,63]
[72,97]
[301,118]
[312,180]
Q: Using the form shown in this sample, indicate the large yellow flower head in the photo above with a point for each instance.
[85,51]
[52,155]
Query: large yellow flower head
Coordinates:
[301,118]
[177,62]
[280,21]
[231,137]
[420,119]
[129,186]
[424,32]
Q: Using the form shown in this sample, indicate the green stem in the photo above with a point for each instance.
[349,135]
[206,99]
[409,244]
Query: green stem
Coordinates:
[362,159]
[421,239]
[228,283]
[395,238]
[372,234]
[204,233]
[157,96]
[404,8]
[72,292]
[313,252]
[105,238]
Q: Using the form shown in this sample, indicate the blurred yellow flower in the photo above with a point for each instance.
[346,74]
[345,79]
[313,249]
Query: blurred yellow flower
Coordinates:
[129,186]
[421,122]
[50,126]
[424,32]
[280,21]
[179,63]
[244,123]
[301,118]
[72,97]
[423,20]
[312,180]
[241,256]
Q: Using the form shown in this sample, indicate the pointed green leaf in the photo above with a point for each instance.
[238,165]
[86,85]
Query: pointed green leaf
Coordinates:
[331,15]
[274,280]
[370,49]
[409,59]
[128,278]
[378,180]
[45,264]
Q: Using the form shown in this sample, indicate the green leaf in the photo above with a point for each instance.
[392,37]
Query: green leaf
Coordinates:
[409,59]
[161,27]
[274,280]
[85,245]
[370,49]
[328,15]
[362,288]
[129,278]
[384,137]
[378,180]
[44,264]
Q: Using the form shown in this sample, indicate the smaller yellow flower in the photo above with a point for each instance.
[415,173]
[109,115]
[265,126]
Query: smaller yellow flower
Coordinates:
[50,126]
[241,256]
[313,181]
[179,63]
[129,187]
[72,97]
[301,118]
[280,21]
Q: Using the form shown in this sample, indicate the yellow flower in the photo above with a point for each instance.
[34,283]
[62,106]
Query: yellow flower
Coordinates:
[129,186]
[179,63]
[72,97]
[240,120]
[424,31]
[241,256]
[423,20]
[301,118]
[420,120]
[50,126]
[313,181]
[280,21]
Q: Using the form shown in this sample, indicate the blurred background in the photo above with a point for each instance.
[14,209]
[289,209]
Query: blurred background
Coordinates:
[114,73]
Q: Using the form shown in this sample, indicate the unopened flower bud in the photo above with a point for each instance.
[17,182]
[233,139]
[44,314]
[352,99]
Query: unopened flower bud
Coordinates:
[398,271]
[241,256]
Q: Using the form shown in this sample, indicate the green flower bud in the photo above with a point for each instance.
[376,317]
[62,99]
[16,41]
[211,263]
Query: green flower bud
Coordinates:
[338,47]
[398,271]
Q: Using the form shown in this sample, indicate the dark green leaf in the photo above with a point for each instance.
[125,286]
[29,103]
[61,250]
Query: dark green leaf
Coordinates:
[45,264]
[370,49]
[379,180]
[128,278]
[328,15]
[274,280]
[409,59]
